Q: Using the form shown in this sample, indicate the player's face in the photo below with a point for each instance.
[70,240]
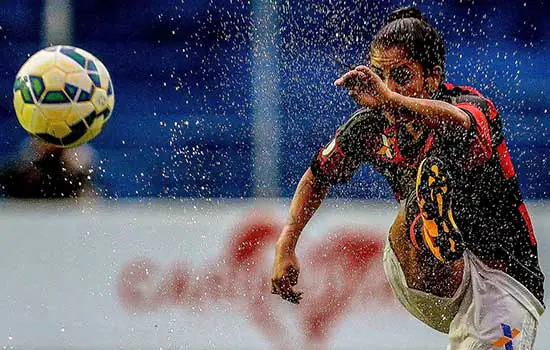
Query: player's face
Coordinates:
[399,72]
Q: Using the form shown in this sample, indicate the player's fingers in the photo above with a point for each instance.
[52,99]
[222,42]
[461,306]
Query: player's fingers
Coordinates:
[293,275]
[285,289]
[298,297]
[363,68]
[283,286]
[358,91]
[369,76]
[294,297]
[346,78]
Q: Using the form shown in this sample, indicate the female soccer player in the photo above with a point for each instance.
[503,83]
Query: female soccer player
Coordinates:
[461,255]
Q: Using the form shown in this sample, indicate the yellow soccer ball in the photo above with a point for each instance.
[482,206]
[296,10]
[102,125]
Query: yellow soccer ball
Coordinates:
[63,95]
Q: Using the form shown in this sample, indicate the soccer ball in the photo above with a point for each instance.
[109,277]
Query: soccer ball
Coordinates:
[63,95]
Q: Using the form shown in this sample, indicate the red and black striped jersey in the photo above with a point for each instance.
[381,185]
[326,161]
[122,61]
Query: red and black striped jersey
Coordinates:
[487,202]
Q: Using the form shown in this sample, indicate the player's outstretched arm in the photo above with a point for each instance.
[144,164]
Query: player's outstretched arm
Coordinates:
[434,113]
[368,90]
[307,199]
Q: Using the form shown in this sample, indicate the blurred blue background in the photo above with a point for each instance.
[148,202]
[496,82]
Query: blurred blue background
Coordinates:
[183,73]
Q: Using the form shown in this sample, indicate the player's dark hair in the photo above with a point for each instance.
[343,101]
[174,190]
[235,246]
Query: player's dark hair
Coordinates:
[407,27]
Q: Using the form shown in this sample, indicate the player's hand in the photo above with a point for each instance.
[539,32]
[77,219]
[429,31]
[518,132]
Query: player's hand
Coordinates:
[285,273]
[365,87]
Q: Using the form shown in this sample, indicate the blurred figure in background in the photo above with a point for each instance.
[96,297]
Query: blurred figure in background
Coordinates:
[46,171]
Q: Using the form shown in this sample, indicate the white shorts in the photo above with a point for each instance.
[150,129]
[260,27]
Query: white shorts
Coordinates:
[490,309]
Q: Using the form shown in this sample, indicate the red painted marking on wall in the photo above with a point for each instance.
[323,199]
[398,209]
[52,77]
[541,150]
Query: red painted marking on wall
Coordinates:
[338,274]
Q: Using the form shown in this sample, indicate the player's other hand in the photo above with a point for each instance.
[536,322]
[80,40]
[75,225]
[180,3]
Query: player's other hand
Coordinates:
[365,87]
[285,273]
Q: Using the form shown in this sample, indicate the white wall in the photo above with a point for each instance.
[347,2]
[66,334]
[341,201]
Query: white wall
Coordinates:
[68,279]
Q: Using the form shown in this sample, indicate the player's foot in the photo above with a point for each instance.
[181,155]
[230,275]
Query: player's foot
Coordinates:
[433,193]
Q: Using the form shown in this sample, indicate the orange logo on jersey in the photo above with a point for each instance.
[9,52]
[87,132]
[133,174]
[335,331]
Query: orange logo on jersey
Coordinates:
[387,150]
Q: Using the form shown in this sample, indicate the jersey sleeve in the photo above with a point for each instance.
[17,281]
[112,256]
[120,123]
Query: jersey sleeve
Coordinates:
[476,143]
[344,154]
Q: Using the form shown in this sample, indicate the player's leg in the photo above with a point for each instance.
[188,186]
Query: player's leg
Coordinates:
[420,268]
[438,232]
[429,290]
